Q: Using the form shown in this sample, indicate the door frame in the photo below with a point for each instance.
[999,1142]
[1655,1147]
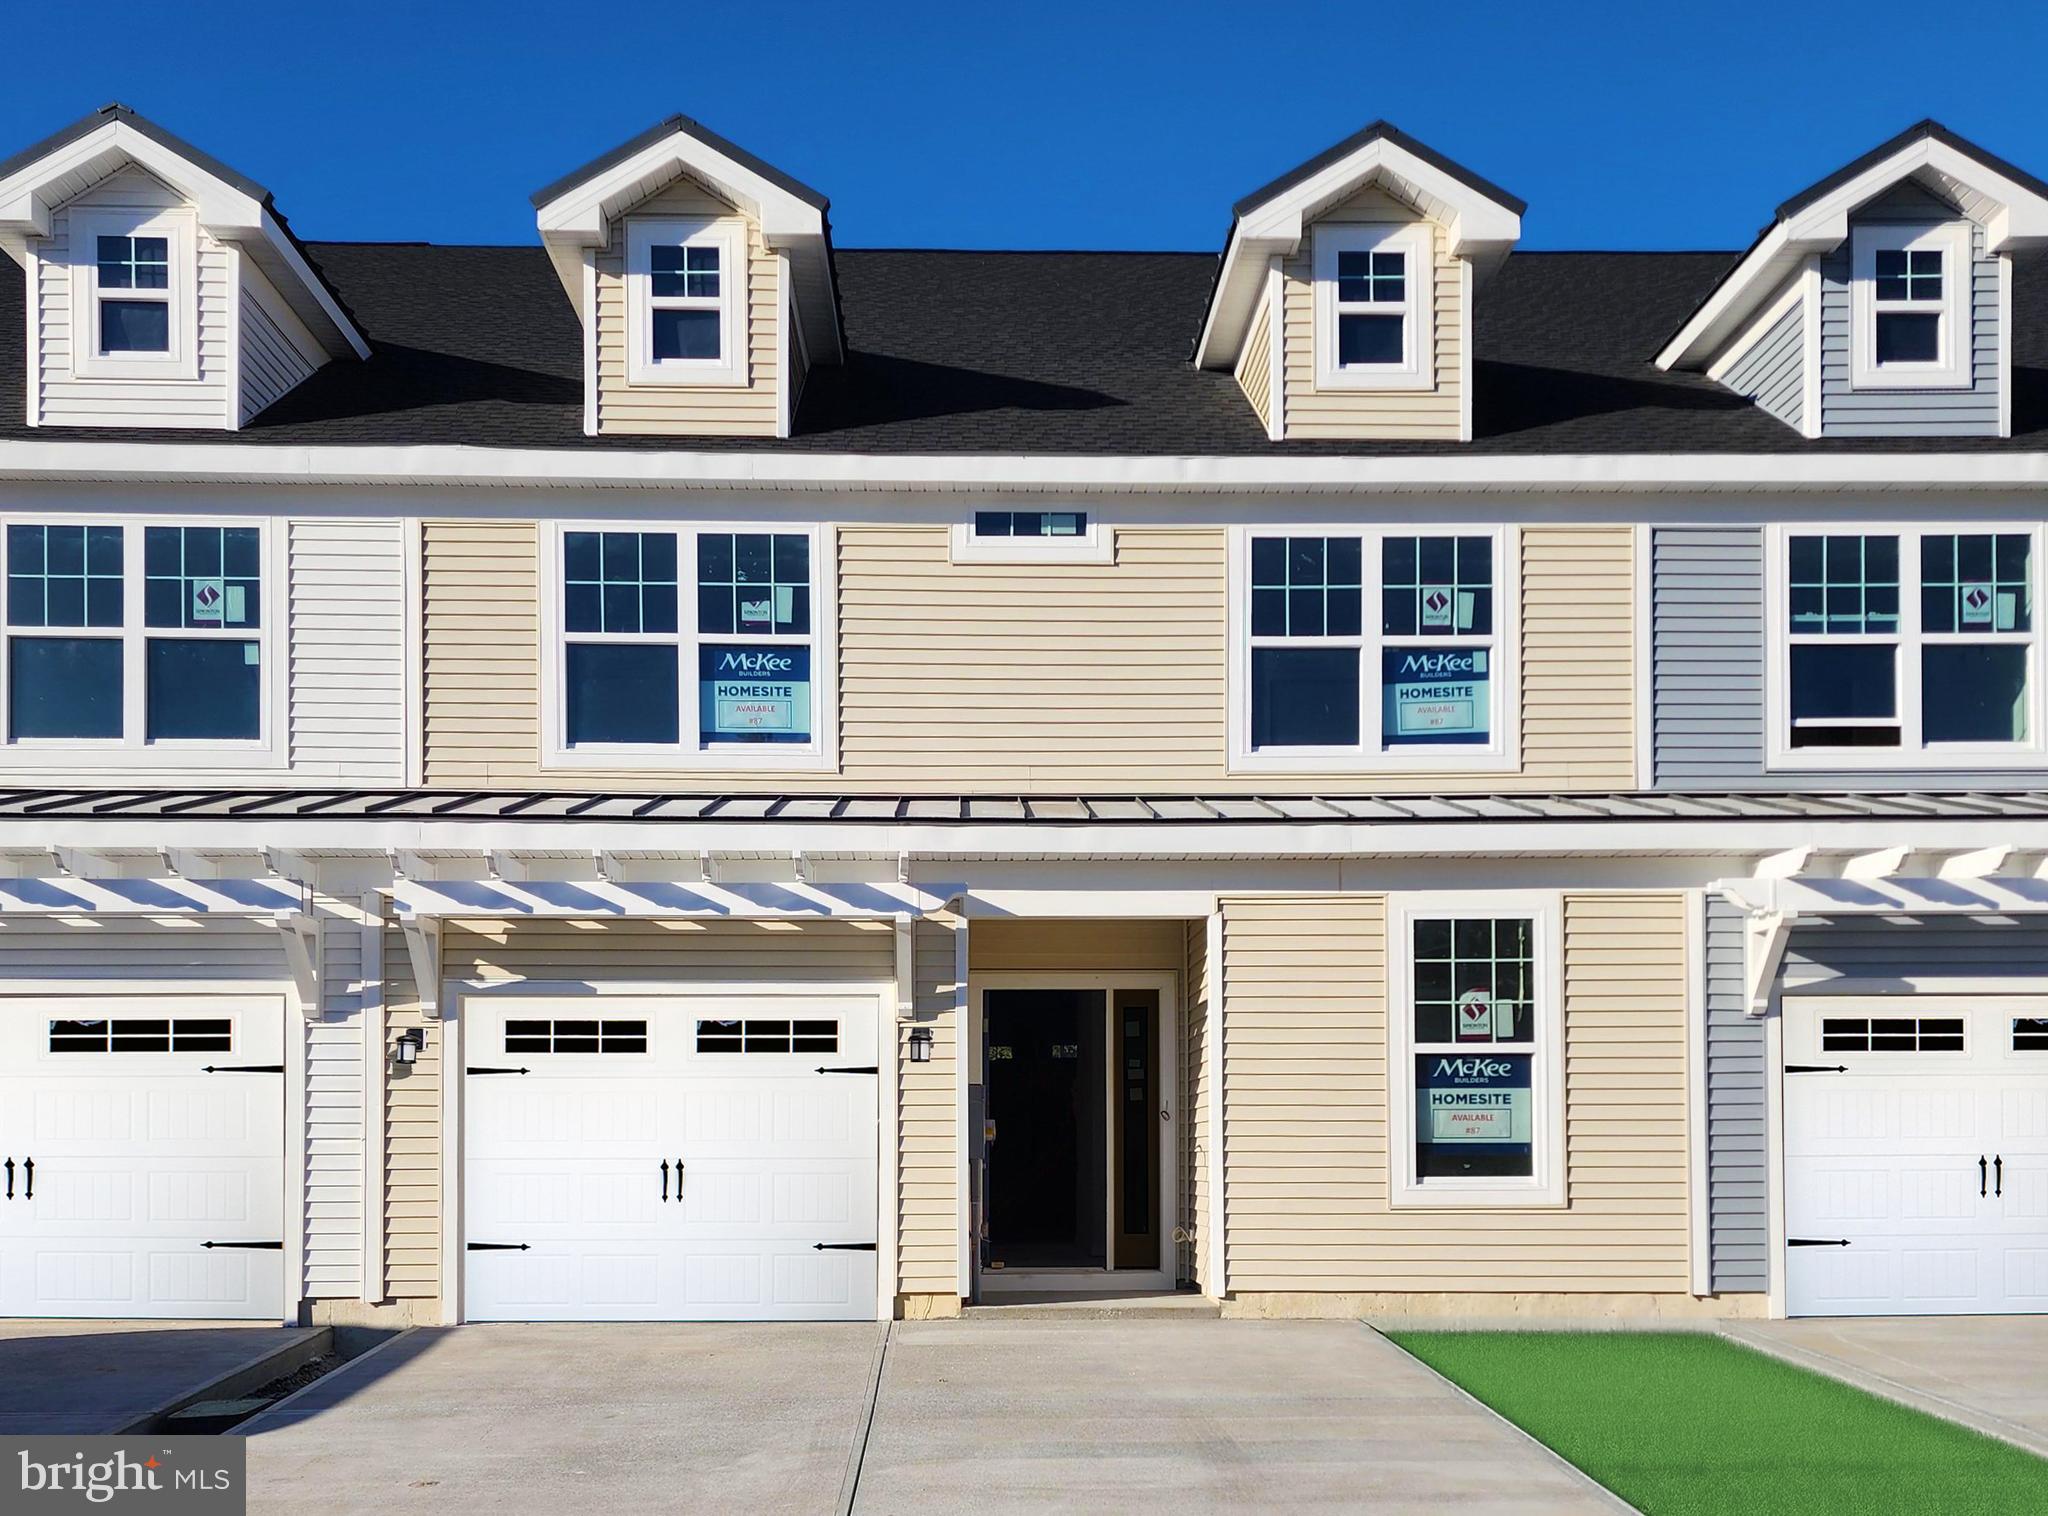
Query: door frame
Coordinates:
[1167,1076]
[458,992]
[1955,996]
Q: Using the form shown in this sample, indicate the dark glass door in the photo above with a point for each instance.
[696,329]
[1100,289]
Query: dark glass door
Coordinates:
[1135,1140]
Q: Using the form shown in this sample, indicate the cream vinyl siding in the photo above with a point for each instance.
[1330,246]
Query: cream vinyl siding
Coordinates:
[1305,1112]
[688,410]
[1432,413]
[1255,365]
[500,952]
[927,1182]
[953,676]
[64,400]
[1195,1096]
[1076,947]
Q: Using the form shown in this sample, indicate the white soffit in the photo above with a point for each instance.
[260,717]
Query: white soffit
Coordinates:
[1481,229]
[234,212]
[578,213]
[2013,214]
[1826,895]
[419,899]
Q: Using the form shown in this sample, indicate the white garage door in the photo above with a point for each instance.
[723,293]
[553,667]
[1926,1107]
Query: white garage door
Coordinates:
[142,1157]
[1916,1156]
[680,1159]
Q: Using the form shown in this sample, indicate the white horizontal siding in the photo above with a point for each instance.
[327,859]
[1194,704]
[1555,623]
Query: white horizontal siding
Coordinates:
[277,354]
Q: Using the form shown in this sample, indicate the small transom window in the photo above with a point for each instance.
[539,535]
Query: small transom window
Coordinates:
[126,1034]
[1028,524]
[1891,1034]
[576,1036]
[764,1036]
[2030,1034]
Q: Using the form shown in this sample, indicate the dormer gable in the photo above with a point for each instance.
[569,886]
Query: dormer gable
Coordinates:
[1343,301]
[704,281]
[1877,302]
[163,288]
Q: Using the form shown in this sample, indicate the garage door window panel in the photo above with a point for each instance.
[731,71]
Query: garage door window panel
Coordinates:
[765,1036]
[1910,641]
[576,1036]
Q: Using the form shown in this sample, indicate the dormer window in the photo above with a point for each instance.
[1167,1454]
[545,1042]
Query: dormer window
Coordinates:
[133,283]
[686,298]
[1372,307]
[1912,306]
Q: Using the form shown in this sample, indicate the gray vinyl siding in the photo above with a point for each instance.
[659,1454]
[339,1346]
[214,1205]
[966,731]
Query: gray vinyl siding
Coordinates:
[1773,371]
[1738,1173]
[1861,956]
[1707,653]
[1847,412]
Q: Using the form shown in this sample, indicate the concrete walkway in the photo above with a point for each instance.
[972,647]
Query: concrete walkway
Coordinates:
[573,1418]
[1186,1417]
[1987,1372]
[102,1376]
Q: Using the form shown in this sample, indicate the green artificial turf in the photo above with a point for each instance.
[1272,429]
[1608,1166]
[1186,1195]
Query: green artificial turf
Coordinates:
[1685,1424]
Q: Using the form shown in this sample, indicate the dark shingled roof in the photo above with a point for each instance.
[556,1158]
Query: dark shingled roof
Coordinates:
[1065,352]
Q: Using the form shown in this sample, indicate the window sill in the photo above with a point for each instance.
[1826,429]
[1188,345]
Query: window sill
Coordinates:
[723,377]
[1486,1202]
[1353,381]
[737,759]
[1878,381]
[1928,760]
[1418,763]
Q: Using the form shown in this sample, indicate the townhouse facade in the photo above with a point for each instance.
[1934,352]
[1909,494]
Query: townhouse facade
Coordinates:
[687,773]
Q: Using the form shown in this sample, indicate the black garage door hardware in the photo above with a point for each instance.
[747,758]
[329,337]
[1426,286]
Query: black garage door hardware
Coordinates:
[496,1071]
[268,1247]
[1816,1068]
[244,1068]
[866,1068]
[498,1247]
[842,1247]
[1816,1242]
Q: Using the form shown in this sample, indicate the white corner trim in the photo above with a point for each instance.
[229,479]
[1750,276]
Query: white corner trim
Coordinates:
[413,718]
[2005,343]
[965,1041]
[233,414]
[32,352]
[1774,1165]
[294,1230]
[1642,703]
[785,332]
[1465,346]
[375,1079]
[1276,357]
[1700,1230]
[590,342]
[1812,400]
[454,1221]
[1218,1220]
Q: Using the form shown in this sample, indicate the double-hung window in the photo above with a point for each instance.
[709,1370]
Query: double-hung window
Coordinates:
[1910,306]
[128,636]
[1373,312]
[686,299]
[133,278]
[700,645]
[1475,1042]
[1907,641]
[1381,648]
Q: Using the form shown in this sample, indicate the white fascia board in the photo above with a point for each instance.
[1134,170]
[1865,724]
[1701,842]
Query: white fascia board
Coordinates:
[1761,320]
[2020,220]
[1481,231]
[62,460]
[578,215]
[1476,839]
[336,328]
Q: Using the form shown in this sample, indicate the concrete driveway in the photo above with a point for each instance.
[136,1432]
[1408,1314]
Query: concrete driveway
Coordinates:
[989,1416]
[104,1376]
[1987,1372]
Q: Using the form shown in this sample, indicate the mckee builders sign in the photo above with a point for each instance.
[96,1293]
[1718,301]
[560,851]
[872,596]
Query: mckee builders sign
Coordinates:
[1435,694]
[755,693]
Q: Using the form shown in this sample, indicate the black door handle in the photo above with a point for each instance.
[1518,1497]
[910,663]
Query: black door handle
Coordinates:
[1983,1175]
[679,1179]
[10,1179]
[1998,1175]
[28,1175]
[664,1179]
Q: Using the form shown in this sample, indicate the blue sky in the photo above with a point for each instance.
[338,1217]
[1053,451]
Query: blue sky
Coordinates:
[1042,125]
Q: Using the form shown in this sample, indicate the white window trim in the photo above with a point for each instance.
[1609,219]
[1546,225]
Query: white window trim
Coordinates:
[1953,370]
[1417,368]
[268,750]
[1096,545]
[643,234]
[689,752]
[1545,1188]
[180,230]
[1502,755]
[1913,751]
